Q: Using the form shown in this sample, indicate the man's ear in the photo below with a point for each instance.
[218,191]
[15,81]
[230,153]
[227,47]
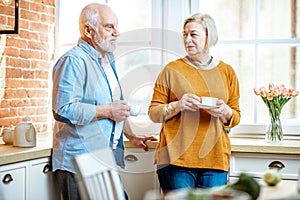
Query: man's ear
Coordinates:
[88,31]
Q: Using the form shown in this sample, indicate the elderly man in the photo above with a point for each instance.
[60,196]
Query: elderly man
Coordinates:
[88,104]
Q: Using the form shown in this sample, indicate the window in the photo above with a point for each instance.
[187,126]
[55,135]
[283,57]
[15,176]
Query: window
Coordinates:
[263,46]
[255,37]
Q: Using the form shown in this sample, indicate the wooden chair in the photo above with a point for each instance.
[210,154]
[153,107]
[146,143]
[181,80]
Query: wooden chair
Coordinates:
[97,176]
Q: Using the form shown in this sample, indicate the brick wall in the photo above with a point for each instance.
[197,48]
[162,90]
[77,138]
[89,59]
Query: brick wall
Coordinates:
[25,66]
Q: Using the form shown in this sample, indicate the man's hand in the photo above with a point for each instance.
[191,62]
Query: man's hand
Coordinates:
[120,110]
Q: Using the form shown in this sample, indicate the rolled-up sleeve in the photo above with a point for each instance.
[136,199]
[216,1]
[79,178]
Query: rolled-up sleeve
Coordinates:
[69,77]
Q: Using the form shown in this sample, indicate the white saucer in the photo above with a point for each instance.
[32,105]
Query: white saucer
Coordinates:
[206,106]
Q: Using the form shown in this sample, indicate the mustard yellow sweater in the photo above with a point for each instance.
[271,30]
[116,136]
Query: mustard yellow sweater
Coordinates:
[194,139]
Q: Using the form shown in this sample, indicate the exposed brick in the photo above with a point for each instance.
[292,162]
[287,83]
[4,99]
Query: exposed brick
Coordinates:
[6,122]
[42,74]
[39,64]
[47,2]
[27,53]
[21,102]
[13,93]
[37,93]
[12,51]
[16,42]
[28,57]
[29,34]
[45,36]
[24,5]
[48,18]
[8,112]
[38,7]
[11,21]
[28,74]
[13,72]
[38,26]
[3,19]
[34,84]
[38,45]
[40,102]
[44,55]
[4,112]
[4,103]
[13,83]
[23,24]
[17,62]
[6,10]
[41,110]
[31,16]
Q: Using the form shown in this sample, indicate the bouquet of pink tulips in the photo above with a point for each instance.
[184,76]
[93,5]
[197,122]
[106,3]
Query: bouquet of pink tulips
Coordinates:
[275,97]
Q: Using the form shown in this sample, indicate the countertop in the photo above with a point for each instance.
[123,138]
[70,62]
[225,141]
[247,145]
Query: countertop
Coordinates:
[251,145]
[10,154]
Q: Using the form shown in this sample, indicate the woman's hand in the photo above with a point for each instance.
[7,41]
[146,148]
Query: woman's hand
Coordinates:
[189,102]
[224,112]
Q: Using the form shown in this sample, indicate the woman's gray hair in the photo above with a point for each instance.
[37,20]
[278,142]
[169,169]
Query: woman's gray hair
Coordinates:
[90,15]
[208,24]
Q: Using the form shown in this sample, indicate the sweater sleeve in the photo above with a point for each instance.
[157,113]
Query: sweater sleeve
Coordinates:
[233,100]
[160,96]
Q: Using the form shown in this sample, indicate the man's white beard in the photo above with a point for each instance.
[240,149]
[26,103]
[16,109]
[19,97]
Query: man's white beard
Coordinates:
[104,45]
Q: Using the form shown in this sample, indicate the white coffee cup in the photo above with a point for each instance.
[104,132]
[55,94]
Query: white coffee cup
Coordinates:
[134,110]
[209,101]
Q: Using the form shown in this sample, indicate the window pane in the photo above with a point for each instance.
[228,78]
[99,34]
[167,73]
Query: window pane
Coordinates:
[275,19]
[68,19]
[234,19]
[276,65]
[257,43]
[241,58]
[132,14]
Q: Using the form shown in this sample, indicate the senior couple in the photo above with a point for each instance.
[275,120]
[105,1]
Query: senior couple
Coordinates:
[90,112]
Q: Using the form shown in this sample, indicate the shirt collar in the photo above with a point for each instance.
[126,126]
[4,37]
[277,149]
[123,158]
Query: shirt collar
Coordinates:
[89,49]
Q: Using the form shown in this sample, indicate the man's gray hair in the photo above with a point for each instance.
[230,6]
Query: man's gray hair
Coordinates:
[90,15]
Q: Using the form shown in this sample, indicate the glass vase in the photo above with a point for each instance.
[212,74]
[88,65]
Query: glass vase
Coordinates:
[274,133]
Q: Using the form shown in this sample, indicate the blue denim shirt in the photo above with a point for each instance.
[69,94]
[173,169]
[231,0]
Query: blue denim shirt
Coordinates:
[79,84]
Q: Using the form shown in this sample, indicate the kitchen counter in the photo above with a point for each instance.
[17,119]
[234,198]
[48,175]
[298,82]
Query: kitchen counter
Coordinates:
[10,154]
[251,145]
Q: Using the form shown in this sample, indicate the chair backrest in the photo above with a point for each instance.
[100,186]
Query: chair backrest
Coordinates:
[97,176]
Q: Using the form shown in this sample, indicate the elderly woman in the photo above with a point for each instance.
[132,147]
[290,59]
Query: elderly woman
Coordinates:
[194,146]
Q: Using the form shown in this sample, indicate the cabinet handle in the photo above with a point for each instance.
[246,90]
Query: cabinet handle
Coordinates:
[7,179]
[276,164]
[47,169]
[131,158]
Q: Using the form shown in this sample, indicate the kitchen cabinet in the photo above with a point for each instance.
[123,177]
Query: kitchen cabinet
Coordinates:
[41,180]
[28,180]
[139,176]
[256,164]
[13,181]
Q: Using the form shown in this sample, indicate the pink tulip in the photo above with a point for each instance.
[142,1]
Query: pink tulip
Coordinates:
[295,93]
[256,91]
[270,96]
[271,86]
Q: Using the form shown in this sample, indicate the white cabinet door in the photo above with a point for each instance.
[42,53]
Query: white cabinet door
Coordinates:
[256,164]
[139,176]
[13,181]
[41,181]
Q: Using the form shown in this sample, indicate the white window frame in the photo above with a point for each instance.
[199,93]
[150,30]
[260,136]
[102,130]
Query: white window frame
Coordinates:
[169,15]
